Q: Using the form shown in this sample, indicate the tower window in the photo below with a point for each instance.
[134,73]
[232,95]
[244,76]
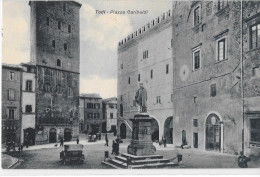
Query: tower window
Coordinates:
[221,46]
[196,59]
[213,90]
[139,77]
[11,94]
[47,21]
[29,85]
[11,76]
[59,25]
[28,108]
[151,74]
[70,91]
[53,43]
[222,4]
[59,62]
[69,28]
[128,80]
[47,87]
[64,6]
[167,68]
[196,16]
[65,46]
[255,36]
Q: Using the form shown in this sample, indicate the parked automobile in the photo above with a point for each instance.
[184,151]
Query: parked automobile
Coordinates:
[72,153]
[92,138]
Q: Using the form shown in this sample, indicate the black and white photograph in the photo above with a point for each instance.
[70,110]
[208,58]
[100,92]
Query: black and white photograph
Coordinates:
[130,86]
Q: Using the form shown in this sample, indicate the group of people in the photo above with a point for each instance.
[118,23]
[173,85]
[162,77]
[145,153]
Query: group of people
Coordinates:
[115,145]
[11,145]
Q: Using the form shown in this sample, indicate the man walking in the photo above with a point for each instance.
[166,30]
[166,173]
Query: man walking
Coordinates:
[61,142]
[77,140]
[106,140]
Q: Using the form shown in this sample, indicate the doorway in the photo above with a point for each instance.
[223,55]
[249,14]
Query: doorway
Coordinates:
[213,133]
[52,135]
[195,140]
[29,136]
[123,131]
[67,134]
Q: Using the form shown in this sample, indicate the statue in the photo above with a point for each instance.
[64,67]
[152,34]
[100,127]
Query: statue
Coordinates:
[141,98]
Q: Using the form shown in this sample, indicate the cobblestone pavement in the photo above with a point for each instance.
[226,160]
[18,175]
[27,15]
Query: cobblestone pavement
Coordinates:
[48,157]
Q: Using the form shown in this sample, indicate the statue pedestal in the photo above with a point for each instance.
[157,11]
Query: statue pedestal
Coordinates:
[141,143]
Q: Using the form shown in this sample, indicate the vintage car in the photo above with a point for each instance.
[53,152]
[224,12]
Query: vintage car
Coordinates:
[92,138]
[72,153]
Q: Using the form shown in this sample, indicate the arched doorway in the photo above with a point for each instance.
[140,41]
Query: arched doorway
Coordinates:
[67,134]
[155,130]
[213,133]
[123,131]
[29,136]
[52,135]
[168,129]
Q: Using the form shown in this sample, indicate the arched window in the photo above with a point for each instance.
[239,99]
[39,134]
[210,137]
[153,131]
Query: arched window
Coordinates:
[58,62]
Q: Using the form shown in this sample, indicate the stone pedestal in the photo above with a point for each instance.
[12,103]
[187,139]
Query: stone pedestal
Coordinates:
[141,143]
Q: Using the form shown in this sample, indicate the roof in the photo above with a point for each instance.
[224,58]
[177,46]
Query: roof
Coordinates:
[12,66]
[112,100]
[90,95]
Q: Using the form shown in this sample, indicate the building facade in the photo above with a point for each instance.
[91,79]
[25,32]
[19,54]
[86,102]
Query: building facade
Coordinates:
[206,55]
[251,76]
[11,103]
[28,105]
[110,114]
[214,78]
[142,60]
[93,115]
[55,50]
[215,92]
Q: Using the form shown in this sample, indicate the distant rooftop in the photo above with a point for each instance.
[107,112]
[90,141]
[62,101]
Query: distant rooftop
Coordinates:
[11,66]
[90,95]
[110,99]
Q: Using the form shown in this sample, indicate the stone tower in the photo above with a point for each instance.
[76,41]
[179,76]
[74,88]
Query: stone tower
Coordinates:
[55,50]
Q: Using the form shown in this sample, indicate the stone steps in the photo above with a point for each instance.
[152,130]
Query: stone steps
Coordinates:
[140,162]
[133,157]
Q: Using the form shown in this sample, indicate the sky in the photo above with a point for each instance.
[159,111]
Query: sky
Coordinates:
[99,37]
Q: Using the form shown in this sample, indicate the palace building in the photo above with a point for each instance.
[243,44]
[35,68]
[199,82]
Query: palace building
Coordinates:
[145,56]
[200,67]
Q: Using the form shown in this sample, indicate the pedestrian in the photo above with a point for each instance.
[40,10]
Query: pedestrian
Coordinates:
[242,160]
[21,147]
[117,146]
[61,142]
[164,141]
[77,140]
[114,147]
[14,146]
[106,140]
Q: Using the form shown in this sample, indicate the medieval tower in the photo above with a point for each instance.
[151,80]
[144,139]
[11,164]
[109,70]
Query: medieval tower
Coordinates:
[55,50]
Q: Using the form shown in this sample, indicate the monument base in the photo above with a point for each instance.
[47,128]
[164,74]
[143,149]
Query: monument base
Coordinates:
[141,143]
[141,150]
